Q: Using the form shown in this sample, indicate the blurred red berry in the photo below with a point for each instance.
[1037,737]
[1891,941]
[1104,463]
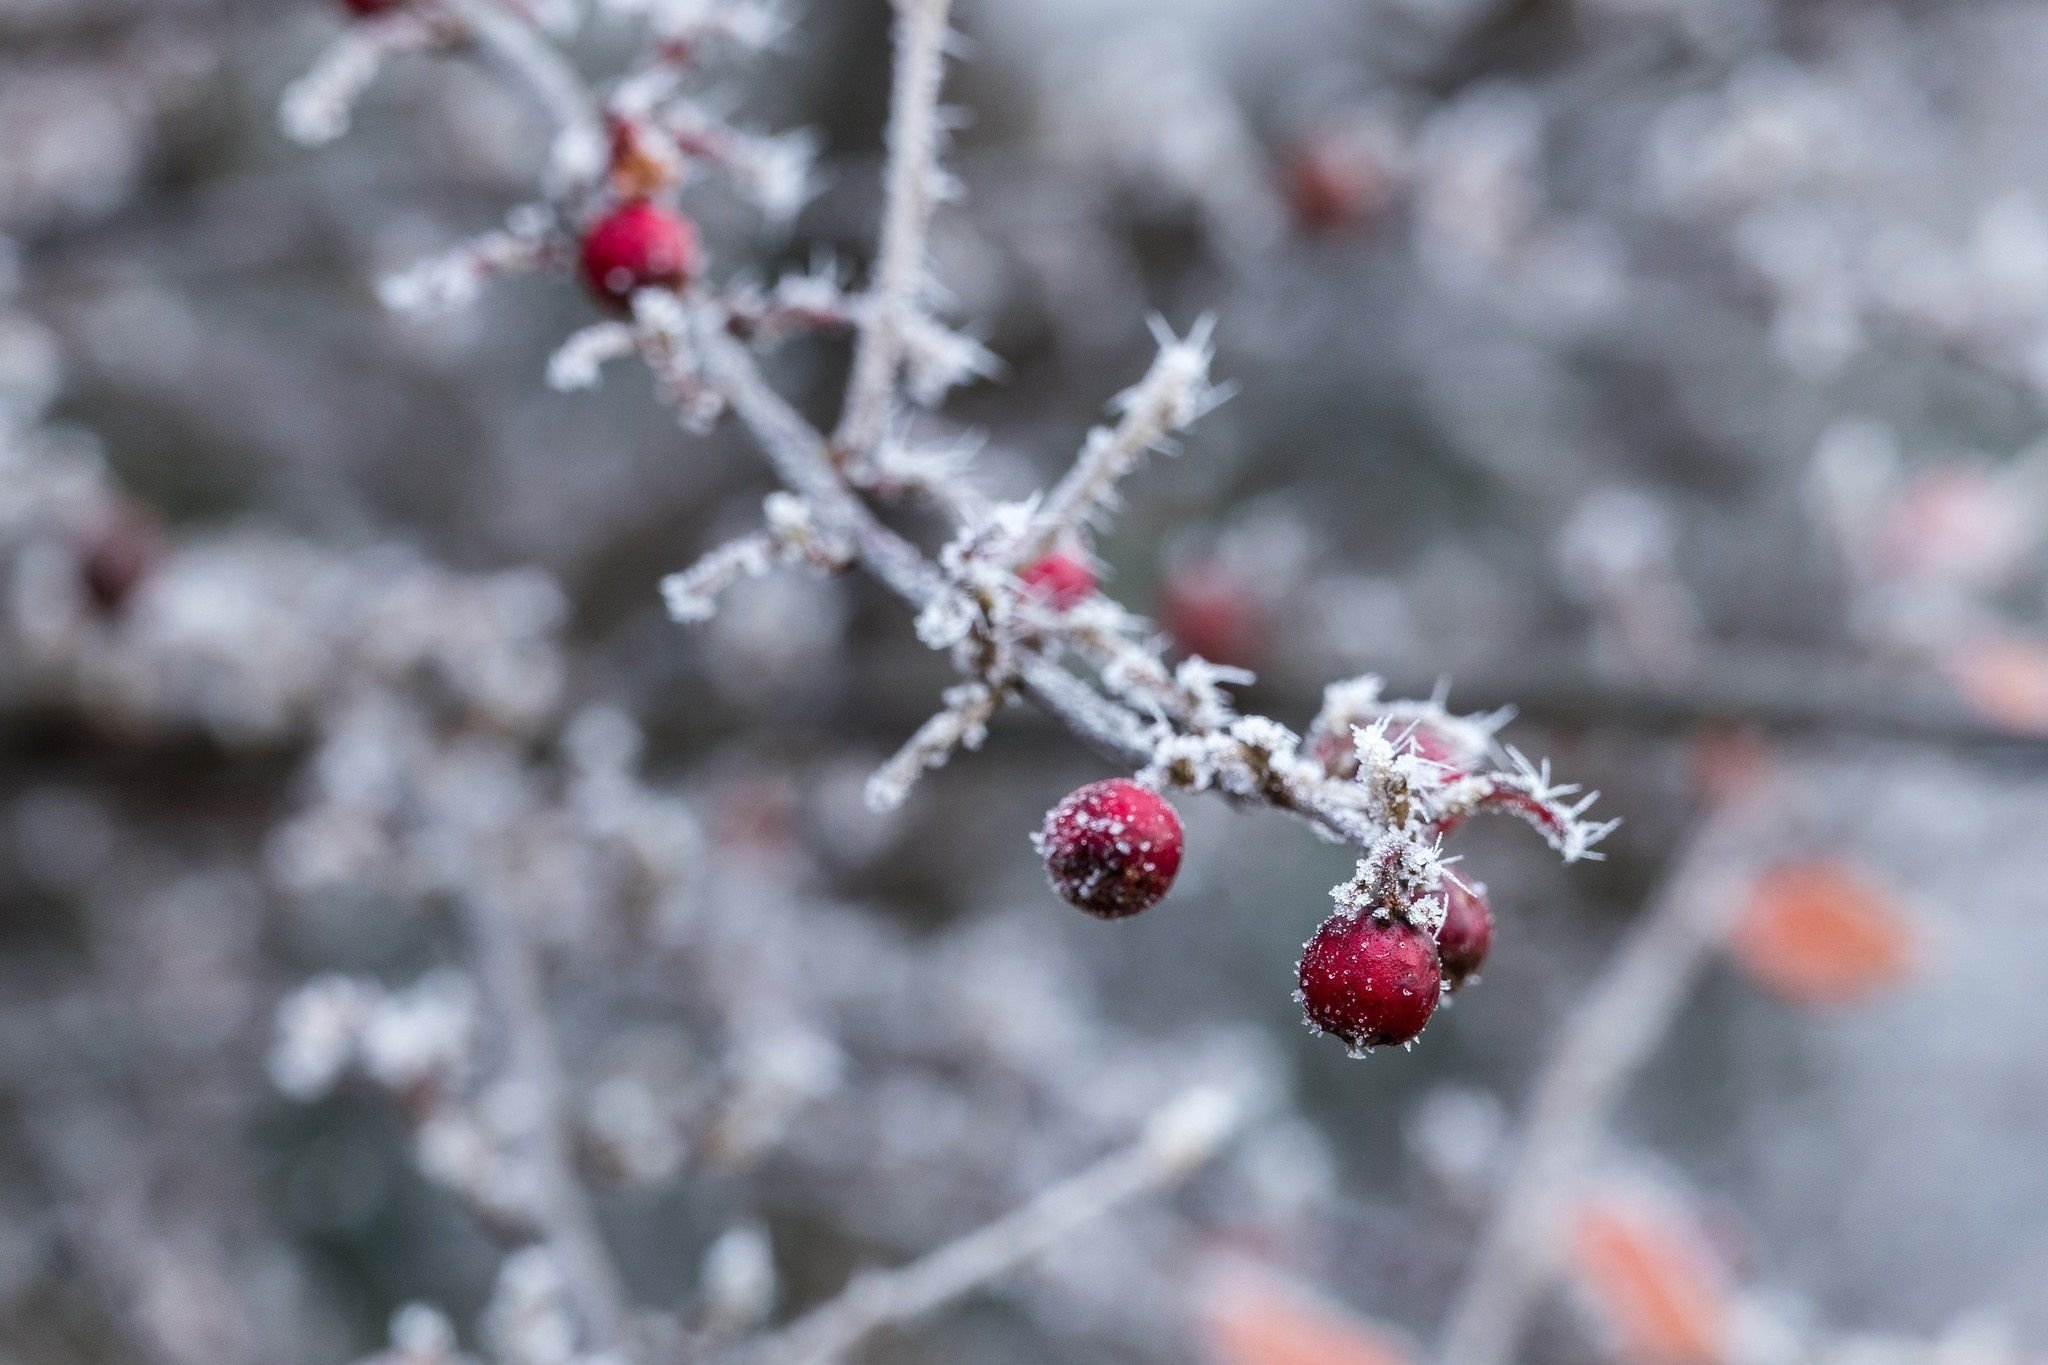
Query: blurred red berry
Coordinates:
[637,246]
[1061,580]
[1208,612]
[118,554]
[1370,981]
[1330,186]
[1467,933]
[363,9]
[1111,848]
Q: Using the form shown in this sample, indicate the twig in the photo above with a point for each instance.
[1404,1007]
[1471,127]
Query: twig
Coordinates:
[1603,1044]
[506,963]
[911,193]
[1184,1135]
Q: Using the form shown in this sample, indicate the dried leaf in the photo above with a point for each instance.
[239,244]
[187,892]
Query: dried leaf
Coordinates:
[1818,933]
[1251,1316]
[2005,680]
[1651,1279]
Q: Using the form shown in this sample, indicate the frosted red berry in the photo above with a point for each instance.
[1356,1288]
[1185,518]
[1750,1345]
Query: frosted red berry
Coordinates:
[1111,848]
[1467,932]
[1062,581]
[637,246]
[1368,980]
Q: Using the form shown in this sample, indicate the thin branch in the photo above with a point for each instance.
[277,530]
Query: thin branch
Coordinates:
[912,182]
[511,974]
[1184,1136]
[1604,1043]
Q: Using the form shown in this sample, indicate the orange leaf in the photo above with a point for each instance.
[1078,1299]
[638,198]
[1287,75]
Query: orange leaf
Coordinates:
[1651,1279]
[1252,1317]
[1817,933]
[2005,680]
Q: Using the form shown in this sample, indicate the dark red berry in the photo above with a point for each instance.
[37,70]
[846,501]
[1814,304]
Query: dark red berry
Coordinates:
[1061,580]
[1370,981]
[118,554]
[363,9]
[1111,848]
[1466,934]
[637,246]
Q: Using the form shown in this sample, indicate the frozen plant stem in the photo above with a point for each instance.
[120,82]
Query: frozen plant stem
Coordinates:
[1184,1135]
[911,187]
[511,974]
[1602,1045]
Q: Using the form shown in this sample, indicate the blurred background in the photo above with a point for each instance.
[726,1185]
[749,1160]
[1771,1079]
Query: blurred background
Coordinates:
[1671,370]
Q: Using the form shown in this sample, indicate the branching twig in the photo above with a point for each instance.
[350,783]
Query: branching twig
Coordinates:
[1184,1135]
[1603,1044]
[911,193]
[511,974]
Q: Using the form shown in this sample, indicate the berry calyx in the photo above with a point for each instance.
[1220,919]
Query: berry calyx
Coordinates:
[1111,848]
[637,246]
[1370,981]
[1061,581]
[1467,932]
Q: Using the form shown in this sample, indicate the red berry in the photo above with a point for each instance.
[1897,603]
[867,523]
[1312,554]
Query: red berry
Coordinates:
[1331,186]
[363,9]
[1111,847]
[118,554]
[1466,934]
[1370,981]
[1208,613]
[1061,580]
[637,246]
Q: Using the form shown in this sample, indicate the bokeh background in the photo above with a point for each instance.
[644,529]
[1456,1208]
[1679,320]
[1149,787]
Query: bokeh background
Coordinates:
[1672,370]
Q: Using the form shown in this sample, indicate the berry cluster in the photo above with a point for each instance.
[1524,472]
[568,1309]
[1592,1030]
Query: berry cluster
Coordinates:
[1407,930]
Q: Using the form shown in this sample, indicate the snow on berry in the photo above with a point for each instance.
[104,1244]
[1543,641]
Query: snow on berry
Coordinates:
[1369,980]
[637,246]
[1111,848]
[1060,580]
[1467,931]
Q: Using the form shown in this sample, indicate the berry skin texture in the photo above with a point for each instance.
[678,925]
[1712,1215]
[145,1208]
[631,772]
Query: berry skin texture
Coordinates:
[1467,933]
[1368,980]
[1111,848]
[1061,581]
[637,246]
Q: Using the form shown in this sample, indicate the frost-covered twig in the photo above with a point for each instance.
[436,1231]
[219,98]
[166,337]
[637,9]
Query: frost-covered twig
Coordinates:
[1180,1139]
[912,189]
[1174,393]
[1602,1045]
[512,977]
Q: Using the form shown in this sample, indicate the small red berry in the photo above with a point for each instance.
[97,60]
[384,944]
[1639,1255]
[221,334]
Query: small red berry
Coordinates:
[1062,581]
[637,246]
[363,9]
[1368,980]
[1466,934]
[118,554]
[1331,186]
[1111,848]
